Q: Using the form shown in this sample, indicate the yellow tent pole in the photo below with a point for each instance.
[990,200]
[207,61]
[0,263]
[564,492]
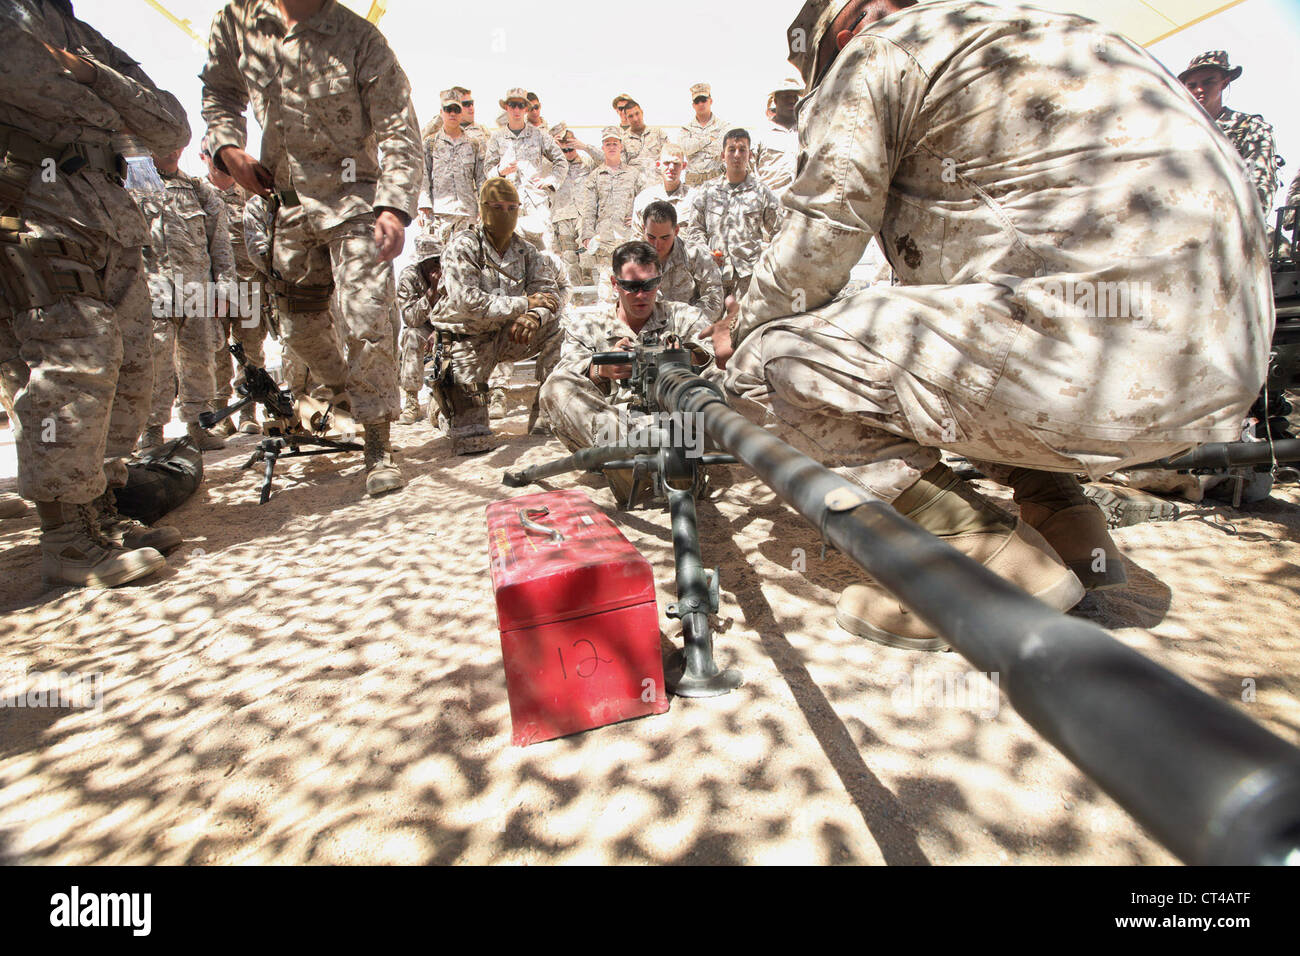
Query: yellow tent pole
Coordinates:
[183,24]
[1179,29]
[377,9]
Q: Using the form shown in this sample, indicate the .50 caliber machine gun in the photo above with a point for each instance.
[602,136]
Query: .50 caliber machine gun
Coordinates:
[298,424]
[674,470]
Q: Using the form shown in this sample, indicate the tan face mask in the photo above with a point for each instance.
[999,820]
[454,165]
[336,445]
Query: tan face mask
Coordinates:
[499,224]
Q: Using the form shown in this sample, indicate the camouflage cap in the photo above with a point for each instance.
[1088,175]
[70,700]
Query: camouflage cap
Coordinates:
[514,93]
[805,33]
[611,132]
[560,130]
[426,248]
[449,97]
[1214,58]
[788,84]
[463,90]
[701,89]
[625,100]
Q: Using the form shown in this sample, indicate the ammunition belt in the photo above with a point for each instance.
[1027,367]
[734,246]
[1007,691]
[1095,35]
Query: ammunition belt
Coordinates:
[36,272]
[21,155]
[302,299]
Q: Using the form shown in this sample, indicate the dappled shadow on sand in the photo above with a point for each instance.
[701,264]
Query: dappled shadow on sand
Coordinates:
[319,680]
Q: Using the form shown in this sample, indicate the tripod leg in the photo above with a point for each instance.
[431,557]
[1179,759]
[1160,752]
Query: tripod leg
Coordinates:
[702,676]
[272,454]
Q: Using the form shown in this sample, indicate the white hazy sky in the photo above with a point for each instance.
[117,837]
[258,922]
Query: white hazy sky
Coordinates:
[578,55]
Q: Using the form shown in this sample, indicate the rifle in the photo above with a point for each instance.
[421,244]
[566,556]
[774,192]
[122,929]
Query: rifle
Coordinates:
[298,424]
[1211,784]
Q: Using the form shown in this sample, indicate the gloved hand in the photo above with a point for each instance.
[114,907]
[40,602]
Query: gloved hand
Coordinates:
[524,328]
[543,300]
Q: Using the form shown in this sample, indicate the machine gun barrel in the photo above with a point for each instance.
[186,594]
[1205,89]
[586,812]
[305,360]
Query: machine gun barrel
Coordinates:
[1231,455]
[1208,782]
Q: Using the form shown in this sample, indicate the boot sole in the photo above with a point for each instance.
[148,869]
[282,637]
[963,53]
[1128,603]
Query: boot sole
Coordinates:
[148,562]
[1123,512]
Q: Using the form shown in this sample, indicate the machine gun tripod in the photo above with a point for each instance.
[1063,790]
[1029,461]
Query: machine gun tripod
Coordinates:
[284,426]
[677,475]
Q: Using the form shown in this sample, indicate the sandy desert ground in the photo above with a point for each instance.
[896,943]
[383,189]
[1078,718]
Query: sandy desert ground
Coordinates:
[319,680]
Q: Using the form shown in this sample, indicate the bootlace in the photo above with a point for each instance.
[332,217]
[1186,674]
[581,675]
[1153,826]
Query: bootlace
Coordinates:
[88,518]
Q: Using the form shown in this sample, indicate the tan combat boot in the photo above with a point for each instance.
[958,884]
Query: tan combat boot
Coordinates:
[1054,505]
[11,506]
[382,474]
[128,533]
[497,404]
[948,507]
[248,421]
[204,439]
[152,437]
[74,551]
[225,427]
[410,409]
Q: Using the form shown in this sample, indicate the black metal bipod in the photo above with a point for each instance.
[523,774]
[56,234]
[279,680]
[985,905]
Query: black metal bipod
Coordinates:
[675,474]
[282,426]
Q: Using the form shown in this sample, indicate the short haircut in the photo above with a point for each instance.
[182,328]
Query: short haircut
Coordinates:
[736,133]
[659,211]
[642,253]
[672,149]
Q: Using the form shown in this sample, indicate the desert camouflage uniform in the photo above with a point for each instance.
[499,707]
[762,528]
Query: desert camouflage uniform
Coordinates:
[659,193]
[605,205]
[735,219]
[248,330]
[703,148]
[583,413]
[1253,139]
[417,326]
[565,215]
[339,130]
[189,242]
[453,173]
[775,155]
[91,375]
[483,293]
[294,372]
[691,276]
[534,149]
[1061,141]
[642,149]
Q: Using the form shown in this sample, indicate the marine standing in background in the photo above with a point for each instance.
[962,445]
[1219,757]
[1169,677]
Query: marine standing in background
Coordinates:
[701,138]
[189,249]
[1207,76]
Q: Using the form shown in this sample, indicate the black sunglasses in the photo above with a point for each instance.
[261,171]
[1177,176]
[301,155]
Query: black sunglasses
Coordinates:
[516,105]
[451,108]
[466,102]
[700,99]
[567,149]
[639,285]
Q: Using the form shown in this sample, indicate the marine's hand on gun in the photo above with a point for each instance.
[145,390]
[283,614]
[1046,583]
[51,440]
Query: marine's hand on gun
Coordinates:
[620,371]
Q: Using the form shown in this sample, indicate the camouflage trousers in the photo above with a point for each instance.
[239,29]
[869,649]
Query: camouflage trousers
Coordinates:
[79,376]
[830,396]
[365,366]
[474,358]
[579,412]
[248,331]
[564,234]
[413,348]
[185,367]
